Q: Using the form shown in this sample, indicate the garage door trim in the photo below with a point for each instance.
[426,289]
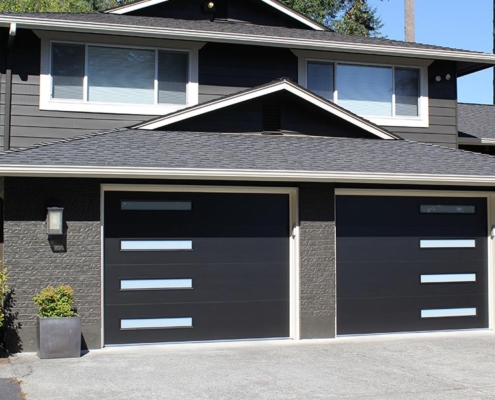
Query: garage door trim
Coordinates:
[293,234]
[490,199]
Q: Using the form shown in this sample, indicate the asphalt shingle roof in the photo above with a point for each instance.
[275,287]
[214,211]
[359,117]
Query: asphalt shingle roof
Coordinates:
[476,120]
[155,149]
[225,27]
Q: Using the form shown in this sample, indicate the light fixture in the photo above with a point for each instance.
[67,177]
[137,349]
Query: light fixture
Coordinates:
[55,221]
[210,5]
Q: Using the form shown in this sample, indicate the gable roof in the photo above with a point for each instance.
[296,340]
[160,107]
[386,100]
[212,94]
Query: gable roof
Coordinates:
[222,32]
[139,4]
[476,123]
[127,153]
[263,90]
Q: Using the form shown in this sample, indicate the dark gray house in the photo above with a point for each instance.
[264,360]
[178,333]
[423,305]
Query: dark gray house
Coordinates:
[232,170]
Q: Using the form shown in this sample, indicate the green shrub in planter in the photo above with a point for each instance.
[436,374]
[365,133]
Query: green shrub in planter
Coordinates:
[59,328]
[55,302]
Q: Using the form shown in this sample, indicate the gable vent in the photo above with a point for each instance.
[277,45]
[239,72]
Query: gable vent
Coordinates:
[272,118]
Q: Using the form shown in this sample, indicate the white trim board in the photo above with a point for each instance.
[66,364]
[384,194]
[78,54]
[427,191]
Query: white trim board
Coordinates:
[243,175]
[275,4]
[263,91]
[294,238]
[226,37]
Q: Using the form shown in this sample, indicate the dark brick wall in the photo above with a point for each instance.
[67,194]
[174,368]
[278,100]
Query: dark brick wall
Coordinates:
[30,260]
[317,261]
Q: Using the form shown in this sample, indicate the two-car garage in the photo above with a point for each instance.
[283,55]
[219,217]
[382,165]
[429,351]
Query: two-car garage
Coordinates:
[218,264]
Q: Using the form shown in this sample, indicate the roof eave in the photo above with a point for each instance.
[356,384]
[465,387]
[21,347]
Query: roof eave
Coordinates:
[296,43]
[242,175]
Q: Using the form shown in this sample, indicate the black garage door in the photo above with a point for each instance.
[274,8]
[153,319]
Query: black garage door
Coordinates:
[411,264]
[195,266]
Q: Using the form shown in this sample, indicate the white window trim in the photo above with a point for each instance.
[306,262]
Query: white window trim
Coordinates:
[47,103]
[422,121]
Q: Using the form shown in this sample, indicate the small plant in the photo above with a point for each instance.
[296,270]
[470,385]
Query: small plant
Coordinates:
[4,290]
[55,302]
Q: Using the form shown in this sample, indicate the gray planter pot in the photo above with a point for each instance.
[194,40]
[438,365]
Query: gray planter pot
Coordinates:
[59,337]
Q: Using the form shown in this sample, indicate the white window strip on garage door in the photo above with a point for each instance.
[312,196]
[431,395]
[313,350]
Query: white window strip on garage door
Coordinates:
[447,243]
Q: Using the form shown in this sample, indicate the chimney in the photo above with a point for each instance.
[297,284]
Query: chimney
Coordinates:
[409,20]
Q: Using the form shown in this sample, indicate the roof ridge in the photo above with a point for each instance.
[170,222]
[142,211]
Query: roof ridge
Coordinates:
[451,149]
[64,140]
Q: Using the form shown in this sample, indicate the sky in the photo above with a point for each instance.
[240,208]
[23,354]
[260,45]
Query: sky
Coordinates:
[450,23]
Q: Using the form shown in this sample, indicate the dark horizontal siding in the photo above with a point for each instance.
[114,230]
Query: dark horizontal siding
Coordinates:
[442,109]
[30,125]
[225,69]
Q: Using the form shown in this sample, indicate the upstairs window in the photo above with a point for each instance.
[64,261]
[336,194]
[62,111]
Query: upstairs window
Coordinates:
[105,78]
[384,94]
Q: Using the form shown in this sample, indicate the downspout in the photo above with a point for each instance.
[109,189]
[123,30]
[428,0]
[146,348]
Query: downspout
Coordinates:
[8,88]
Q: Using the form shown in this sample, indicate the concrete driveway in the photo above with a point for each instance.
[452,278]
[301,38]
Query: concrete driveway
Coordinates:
[422,366]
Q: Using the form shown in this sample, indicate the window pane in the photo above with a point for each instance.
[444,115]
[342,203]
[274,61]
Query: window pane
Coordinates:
[447,209]
[320,79]
[365,90]
[407,92]
[67,71]
[172,77]
[118,75]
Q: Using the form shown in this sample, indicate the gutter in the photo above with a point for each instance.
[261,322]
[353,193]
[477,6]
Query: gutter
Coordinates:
[244,175]
[8,87]
[293,43]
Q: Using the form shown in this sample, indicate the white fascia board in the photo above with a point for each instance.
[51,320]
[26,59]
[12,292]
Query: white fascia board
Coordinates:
[225,37]
[291,13]
[243,175]
[135,6]
[477,141]
[278,86]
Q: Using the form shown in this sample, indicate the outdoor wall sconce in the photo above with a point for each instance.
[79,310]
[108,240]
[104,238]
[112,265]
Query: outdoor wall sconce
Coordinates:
[209,6]
[55,221]
[438,78]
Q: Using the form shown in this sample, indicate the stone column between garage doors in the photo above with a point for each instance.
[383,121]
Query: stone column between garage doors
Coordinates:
[30,260]
[317,261]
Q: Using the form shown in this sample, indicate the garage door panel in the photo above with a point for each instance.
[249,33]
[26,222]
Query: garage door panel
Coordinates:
[219,259]
[391,249]
[386,275]
[377,315]
[404,279]
[210,322]
[407,211]
[237,282]
[217,250]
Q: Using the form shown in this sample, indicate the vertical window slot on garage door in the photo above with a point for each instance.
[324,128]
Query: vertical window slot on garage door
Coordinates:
[448,278]
[447,243]
[449,312]
[136,205]
[447,209]
[156,323]
[154,245]
[155,284]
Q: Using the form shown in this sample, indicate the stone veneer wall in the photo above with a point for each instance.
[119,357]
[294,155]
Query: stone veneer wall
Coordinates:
[30,260]
[317,261]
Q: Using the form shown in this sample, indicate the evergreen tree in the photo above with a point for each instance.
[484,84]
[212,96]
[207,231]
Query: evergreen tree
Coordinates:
[354,17]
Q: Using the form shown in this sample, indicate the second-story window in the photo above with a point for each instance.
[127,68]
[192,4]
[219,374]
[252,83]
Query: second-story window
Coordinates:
[368,90]
[118,75]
